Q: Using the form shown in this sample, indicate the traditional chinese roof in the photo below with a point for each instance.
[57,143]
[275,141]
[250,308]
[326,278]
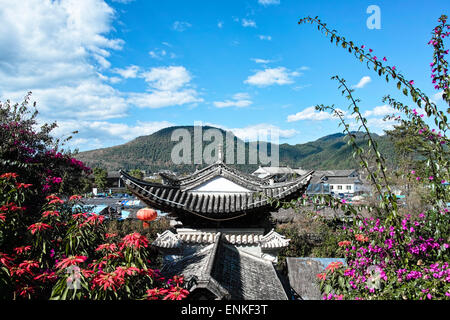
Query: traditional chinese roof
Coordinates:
[228,273]
[272,240]
[182,195]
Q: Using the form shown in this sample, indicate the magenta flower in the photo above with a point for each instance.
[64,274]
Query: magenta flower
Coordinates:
[411,82]
[384,59]
[431,177]
[413,172]
[393,68]
[374,57]
[370,50]
[417,178]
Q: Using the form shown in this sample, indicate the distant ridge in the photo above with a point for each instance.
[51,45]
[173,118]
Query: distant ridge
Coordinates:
[153,153]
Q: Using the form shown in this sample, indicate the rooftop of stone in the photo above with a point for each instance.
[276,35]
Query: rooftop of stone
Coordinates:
[229,273]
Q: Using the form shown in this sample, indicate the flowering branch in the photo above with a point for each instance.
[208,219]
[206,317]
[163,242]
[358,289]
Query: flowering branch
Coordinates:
[390,72]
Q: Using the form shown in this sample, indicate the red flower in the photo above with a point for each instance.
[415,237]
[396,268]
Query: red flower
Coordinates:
[107,246]
[51,197]
[178,280]
[75,197]
[50,213]
[38,226]
[11,206]
[87,273]
[110,235]
[93,219]
[344,243]
[153,294]
[5,259]
[56,201]
[9,175]
[176,293]
[122,271]
[20,250]
[321,276]
[2,216]
[27,265]
[361,238]
[334,265]
[23,185]
[79,215]
[70,261]
[108,280]
[25,291]
[135,240]
[46,276]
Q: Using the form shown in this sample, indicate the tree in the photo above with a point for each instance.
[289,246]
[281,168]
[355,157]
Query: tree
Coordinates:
[137,173]
[100,178]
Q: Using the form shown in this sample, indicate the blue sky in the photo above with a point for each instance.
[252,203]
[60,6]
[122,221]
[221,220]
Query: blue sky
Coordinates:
[115,70]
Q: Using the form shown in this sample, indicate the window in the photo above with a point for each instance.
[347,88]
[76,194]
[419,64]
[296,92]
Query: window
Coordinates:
[339,187]
[349,187]
[331,187]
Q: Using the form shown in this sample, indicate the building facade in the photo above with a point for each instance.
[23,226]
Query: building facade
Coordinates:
[224,245]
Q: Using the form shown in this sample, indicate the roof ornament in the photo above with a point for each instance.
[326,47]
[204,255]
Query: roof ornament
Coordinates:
[220,153]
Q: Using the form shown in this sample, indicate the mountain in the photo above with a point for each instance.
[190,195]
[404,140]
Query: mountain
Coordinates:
[153,152]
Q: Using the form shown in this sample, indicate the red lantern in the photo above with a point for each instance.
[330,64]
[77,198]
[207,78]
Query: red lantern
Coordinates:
[146,214]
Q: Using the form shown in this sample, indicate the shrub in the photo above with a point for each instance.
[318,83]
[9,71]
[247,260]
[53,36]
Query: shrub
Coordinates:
[393,255]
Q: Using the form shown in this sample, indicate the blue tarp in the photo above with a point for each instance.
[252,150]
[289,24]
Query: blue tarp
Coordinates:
[125,214]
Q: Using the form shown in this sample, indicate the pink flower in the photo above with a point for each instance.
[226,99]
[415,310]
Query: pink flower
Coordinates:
[417,178]
[413,172]
[393,68]
[374,57]
[370,50]
[411,82]
[431,177]
[384,59]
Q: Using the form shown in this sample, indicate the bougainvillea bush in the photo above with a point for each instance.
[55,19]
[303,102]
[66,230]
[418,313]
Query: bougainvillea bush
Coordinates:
[51,246]
[392,254]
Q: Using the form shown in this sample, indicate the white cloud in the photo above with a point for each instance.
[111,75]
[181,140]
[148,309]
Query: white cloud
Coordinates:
[240,100]
[157,53]
[181,26]
[271,76]
[128,72]
[380,111]
[220,24]
[263,37]
[248,23]
[167,78]
[160,99]
[364,80]
[437,96]
[98,134]
[264,61]
[261,132]
[269,2]
[56,49]
[311,113]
